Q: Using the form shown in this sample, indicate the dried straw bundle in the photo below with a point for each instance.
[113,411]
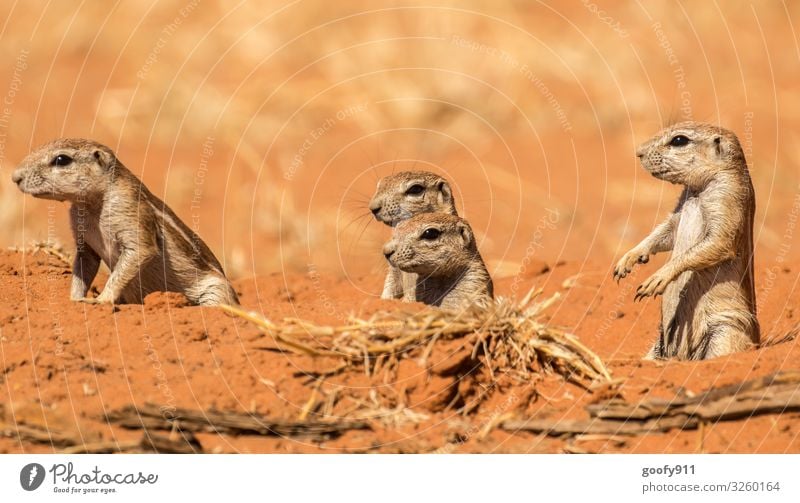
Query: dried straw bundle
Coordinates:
[505,336]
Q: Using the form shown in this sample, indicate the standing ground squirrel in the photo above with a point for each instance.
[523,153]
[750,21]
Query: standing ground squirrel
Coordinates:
[114,218]
[709,305]
[441,250]
[399,197]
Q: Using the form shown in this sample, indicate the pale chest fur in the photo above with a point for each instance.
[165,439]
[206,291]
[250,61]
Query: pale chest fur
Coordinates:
[94,229]
[688,233]
[691,226]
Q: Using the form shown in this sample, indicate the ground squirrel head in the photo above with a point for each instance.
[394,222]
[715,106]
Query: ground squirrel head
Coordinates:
[432,244]
[68,169]
[691,153]
[402,195]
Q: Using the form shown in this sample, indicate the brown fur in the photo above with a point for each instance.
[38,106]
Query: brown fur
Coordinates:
[115,219]
[450,271]
[709,305]
[392,203]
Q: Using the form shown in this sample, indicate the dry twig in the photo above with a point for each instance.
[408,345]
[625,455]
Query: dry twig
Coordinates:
[150,417]
[773,394]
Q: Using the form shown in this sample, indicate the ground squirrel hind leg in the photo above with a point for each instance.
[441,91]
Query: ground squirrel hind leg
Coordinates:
[725,340]
[657,350]
[212,292]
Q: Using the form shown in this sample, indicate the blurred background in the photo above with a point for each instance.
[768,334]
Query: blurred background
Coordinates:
[266,125]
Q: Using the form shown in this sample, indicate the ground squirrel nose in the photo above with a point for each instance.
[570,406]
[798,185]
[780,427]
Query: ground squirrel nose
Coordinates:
[374,207]
[16,177]
[388,250]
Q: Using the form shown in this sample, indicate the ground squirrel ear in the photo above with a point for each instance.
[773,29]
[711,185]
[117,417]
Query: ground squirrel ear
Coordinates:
[466,234]
[718,146]
[104,159]
[445,194]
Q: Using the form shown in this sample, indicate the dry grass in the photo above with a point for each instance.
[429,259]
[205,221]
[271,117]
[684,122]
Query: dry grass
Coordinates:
[52,248]
[506,338]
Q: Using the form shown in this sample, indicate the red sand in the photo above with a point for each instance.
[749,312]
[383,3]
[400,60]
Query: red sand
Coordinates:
[66,364]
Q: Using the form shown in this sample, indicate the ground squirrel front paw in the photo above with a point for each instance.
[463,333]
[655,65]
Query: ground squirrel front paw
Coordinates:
[95,301]
[100,299]
[630,259]
[89,300]
[654,285]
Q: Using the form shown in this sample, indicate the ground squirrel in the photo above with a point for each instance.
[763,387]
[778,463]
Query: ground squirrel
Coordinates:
[401,196]
[114,218]
[441,250]
[709,305]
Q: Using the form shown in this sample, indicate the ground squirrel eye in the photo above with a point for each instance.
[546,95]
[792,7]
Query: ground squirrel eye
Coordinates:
[61,160]
[679,141]
[430,234]
[415,190]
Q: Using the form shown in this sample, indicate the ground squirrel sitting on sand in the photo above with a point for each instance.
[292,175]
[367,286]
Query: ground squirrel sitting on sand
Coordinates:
[709,305]
[114,218]
[399,197]
[441,250]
